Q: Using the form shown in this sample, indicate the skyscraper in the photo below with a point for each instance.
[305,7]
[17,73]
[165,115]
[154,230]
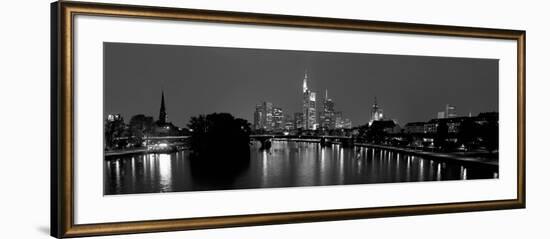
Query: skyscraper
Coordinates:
[278,119]
[309,107]
[258,117]
[267,109]
[298,120]
[327,115]
[288,122]
[338,120]
[450,111]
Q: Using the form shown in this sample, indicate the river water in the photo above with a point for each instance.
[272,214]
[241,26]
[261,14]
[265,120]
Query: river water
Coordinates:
[286,164]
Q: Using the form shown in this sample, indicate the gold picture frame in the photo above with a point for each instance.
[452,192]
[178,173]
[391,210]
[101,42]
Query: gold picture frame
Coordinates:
[62,160]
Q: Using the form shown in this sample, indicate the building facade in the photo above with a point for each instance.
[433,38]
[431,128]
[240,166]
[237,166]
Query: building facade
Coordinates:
[298,120]
[327,115]
[258,118]
[278,122]
[450,111]
[309,107]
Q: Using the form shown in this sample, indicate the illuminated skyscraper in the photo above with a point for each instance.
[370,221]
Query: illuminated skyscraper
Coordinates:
[327,115]
[450,111]
[309,107]
[288,122]
[267,109]
[278,119]
[338,120]
[298,120]
[258,117]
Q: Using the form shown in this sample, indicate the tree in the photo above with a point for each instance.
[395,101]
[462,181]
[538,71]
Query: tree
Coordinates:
[489,134]
[220,144]
[441,134]
[140,126]
[466,133]
[113,130]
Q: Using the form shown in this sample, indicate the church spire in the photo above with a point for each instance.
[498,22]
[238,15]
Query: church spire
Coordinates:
[162,113]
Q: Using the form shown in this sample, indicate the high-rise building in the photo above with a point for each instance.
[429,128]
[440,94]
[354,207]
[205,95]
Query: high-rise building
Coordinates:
[258,117]
[346,124]
[377,113]
[309,107]
[267,109]
[338,120]
[288,122]
[327,115]
[298,120]
[450,111]
[277,119]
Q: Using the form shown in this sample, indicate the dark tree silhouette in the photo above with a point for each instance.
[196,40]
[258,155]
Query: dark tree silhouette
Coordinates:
[140,125]
[220,146]
[113,130]
[466,133]
[489,134]
[441,135]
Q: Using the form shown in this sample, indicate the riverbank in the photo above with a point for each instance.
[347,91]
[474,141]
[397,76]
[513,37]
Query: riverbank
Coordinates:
[463,158]
[139,151]
[471,158]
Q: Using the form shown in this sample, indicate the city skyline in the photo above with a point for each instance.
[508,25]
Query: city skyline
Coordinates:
[267,116]
[183,118]
[126,59]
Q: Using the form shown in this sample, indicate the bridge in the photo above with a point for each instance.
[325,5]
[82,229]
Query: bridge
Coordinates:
[156,138]
[166,137]
[324,140]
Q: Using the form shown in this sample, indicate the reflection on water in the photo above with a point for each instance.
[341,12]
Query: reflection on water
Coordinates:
[286,164]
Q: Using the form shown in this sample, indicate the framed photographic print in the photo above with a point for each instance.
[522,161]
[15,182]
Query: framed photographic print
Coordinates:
[170,119]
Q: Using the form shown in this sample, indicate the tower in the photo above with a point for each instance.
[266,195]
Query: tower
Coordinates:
[327,115]
[450,111]
[304,85]
[309,106]
[376,112]
[162,114]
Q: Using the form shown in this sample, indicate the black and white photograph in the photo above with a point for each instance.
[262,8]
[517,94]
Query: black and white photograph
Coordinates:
[181,118]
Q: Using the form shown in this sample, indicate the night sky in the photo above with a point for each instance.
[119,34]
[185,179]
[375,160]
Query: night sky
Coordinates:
[202,80]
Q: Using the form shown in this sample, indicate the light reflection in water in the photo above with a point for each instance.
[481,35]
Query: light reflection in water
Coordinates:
[117,172]
[408,168]
[165,172]
[463,173]
[438,172]
[397,168]
[285,164]
[421,174]
[341,162]
[265,169]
